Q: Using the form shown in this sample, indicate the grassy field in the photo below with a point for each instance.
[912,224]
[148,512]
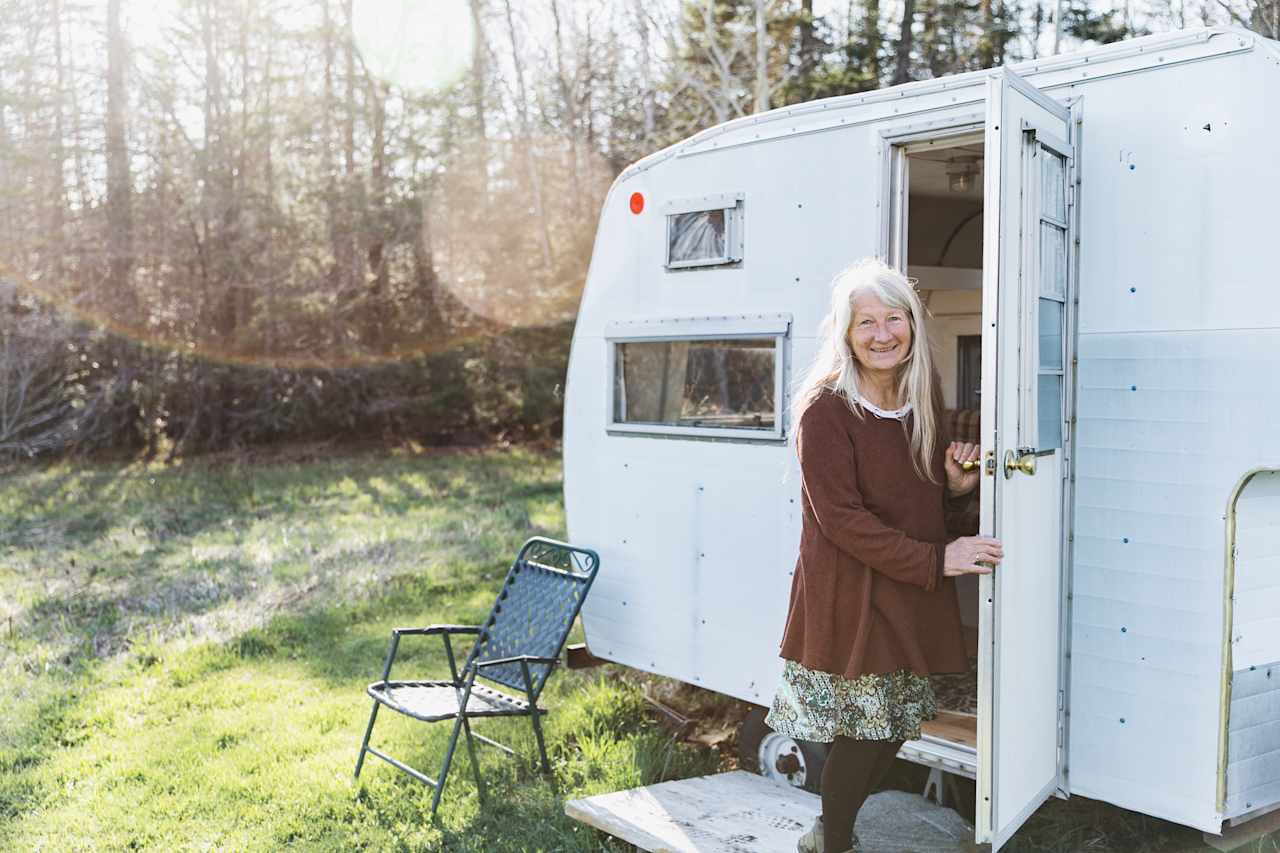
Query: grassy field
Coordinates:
[183,652]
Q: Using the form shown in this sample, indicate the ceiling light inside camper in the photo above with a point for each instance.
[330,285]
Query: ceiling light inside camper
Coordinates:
[962,173]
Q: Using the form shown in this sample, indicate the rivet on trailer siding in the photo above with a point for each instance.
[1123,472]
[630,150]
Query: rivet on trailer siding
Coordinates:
[1123,630]
[1122,721]
[1133,290]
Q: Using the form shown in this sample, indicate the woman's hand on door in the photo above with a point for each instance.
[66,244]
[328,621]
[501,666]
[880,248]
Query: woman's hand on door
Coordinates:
[959,455]
[972,555]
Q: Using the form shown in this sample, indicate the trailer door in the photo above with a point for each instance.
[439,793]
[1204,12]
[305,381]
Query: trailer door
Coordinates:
[1025,334]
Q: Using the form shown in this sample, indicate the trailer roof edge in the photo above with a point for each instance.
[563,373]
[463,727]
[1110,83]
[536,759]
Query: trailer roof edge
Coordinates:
[1027,68]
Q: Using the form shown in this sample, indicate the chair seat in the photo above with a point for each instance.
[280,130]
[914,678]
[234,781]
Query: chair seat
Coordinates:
[430,701]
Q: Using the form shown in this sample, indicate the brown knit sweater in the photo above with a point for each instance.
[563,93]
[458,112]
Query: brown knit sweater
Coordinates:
[868,594]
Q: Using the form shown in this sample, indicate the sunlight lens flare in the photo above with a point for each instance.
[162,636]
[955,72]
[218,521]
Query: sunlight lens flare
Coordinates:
[416,45]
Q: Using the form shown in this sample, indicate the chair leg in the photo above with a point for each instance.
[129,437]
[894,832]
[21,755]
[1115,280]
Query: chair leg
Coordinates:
[364,745]
[444,771]
[542,747]
[475,764]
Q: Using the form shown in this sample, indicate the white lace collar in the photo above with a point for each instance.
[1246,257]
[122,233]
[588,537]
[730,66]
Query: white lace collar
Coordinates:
[895,414]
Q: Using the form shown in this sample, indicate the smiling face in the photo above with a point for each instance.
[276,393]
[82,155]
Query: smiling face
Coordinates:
[879,335]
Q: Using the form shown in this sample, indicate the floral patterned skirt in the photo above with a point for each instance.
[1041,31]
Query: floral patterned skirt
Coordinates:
[817,706]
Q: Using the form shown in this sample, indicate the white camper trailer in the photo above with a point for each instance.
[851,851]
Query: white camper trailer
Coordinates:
[1095,239]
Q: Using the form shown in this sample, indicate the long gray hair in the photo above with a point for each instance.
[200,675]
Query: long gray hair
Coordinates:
[835,368]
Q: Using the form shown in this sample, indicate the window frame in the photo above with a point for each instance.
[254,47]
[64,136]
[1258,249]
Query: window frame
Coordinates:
[775,327]
[734,233]
[1035,146]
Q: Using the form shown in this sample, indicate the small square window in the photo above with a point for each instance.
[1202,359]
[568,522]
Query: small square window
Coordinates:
[704,232]
[698,237]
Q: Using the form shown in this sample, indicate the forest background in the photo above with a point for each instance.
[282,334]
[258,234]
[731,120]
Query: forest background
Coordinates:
[235,222]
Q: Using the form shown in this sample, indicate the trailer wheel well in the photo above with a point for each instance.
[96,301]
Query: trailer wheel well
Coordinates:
[788,760]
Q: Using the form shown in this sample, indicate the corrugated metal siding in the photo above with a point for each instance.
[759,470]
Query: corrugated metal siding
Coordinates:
[1168,422]
[1253,741]
[1253,764]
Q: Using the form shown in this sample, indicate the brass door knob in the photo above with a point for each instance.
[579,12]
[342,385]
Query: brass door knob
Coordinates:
[1024,460]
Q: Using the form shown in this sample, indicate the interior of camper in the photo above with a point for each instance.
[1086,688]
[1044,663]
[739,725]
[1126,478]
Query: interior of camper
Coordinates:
[942,234]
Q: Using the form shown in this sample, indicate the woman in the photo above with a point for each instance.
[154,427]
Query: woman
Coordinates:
[872,611]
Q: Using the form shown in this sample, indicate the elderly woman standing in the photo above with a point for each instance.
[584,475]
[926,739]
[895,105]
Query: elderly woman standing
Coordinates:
[873,610]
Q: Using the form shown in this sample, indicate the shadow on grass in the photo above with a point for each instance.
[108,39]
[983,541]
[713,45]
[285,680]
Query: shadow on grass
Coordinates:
[597,733]
[339,645]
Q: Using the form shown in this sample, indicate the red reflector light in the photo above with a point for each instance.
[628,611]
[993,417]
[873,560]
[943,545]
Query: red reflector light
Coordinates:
[637,202]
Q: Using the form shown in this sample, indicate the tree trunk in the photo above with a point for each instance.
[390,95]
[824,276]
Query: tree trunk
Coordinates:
[902,68]
[762,58]
[930,55]
[57,158]
[648,100]
[272,282]
[424,267]
[808,44]
[354,196]
[378,293]
[873,37]
[522,113]
[217,323]
[569,98]
[479,72]
[119,204]
[332,201]
[986,41]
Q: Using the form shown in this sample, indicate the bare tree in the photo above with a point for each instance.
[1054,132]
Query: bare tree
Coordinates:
[871,33]
[119,183]
[762,57]
[522,115]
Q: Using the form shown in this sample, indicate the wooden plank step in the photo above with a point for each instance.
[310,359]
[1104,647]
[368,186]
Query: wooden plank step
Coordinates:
[739,812]
[953,726]
[735,812]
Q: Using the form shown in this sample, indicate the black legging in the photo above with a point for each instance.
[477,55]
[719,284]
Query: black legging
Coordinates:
[853,769]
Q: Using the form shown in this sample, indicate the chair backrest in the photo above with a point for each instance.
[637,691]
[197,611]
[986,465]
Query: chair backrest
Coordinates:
[534,611]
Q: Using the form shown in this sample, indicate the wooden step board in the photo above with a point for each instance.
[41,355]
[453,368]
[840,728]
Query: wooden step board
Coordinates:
[953,726]
[735,812]
[739,812]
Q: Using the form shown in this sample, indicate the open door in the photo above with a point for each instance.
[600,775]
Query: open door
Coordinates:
[1026,329]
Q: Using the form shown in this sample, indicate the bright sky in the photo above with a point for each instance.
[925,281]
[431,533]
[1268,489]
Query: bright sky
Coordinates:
[425,44]
[418,45]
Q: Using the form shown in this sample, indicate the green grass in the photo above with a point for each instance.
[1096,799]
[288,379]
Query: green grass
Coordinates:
[190,645]
[184,649]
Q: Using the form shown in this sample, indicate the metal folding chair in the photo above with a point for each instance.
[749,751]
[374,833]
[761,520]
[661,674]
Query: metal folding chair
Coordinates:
[516,647]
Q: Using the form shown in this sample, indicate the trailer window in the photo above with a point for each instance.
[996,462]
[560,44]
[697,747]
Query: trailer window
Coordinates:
[698,237]
[1051,306]
[723,384]
[704,232]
